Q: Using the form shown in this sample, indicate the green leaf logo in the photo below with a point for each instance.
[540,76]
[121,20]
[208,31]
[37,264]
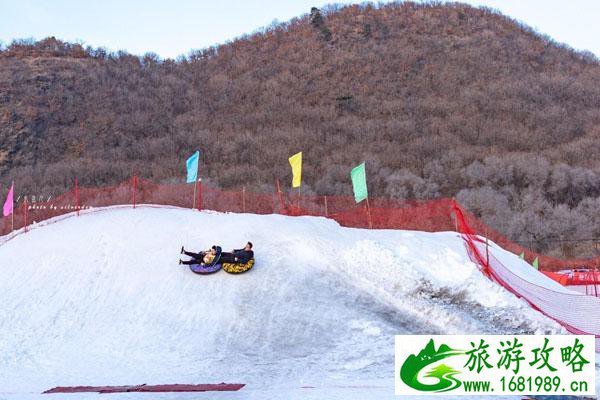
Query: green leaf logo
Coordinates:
[409,372]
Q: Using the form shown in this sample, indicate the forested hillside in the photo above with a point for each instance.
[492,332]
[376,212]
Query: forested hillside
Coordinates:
[439,100]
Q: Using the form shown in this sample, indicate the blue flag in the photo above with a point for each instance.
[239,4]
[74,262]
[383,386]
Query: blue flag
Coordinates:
[192,167]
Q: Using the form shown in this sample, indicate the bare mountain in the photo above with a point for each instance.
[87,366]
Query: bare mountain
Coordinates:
[439,99]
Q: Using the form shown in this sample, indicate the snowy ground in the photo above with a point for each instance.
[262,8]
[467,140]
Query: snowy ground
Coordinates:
[100,300]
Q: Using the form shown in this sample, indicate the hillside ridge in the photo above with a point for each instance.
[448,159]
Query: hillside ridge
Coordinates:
[438,99]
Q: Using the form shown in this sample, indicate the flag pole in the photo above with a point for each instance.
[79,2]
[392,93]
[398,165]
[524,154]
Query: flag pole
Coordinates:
[279,198]
[454,216]
[487,250]
[369,214]
[195,186]
[76,196]
[244,199]
[200,195]
[12,215]
[196,183]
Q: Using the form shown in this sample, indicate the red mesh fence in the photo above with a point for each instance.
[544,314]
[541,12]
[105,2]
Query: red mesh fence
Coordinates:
[423,215]
[545,262]
[575,277]
[578,313]
[586,282]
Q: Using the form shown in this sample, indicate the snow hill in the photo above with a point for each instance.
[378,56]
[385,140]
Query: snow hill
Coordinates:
[101,300]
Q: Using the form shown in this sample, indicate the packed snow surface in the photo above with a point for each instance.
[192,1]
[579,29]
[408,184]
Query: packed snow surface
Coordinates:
[101,300]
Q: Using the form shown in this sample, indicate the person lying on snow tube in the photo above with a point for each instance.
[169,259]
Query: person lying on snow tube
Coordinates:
[238,256]
[204,257]
[239,261]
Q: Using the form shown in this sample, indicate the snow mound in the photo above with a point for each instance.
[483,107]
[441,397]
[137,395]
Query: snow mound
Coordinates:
[101,300]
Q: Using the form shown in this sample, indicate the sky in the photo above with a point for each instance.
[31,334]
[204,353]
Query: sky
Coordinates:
[171,28]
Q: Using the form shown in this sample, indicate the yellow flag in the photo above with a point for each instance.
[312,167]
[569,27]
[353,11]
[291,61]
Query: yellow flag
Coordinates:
[296,163]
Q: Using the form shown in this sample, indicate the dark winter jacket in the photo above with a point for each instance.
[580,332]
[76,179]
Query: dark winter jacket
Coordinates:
[243,256]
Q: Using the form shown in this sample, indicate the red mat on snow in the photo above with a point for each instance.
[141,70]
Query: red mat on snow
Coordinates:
[220,387]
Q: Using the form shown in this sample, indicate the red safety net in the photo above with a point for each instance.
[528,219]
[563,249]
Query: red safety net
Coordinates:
[545,262]
[575,277]
[423,215]
[583,281]
[578,313]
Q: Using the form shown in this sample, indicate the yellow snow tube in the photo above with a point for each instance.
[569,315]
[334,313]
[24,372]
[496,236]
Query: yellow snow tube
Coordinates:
[238,268]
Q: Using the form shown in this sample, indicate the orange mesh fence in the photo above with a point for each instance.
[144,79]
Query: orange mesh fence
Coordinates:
[545,262]
[578,313]
[423,215]
[182,195]
[576,278]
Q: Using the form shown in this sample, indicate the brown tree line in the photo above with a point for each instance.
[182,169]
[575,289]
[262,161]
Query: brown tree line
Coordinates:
[438,99]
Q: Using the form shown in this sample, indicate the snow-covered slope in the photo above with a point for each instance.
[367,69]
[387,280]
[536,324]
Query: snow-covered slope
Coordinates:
[101,300]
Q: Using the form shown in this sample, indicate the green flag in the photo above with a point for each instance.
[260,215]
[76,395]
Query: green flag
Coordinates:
[522,256]
[536,263]
[359,182]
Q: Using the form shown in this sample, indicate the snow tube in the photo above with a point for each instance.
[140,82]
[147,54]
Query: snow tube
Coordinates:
[205,269]
[209,268]
[238,268]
